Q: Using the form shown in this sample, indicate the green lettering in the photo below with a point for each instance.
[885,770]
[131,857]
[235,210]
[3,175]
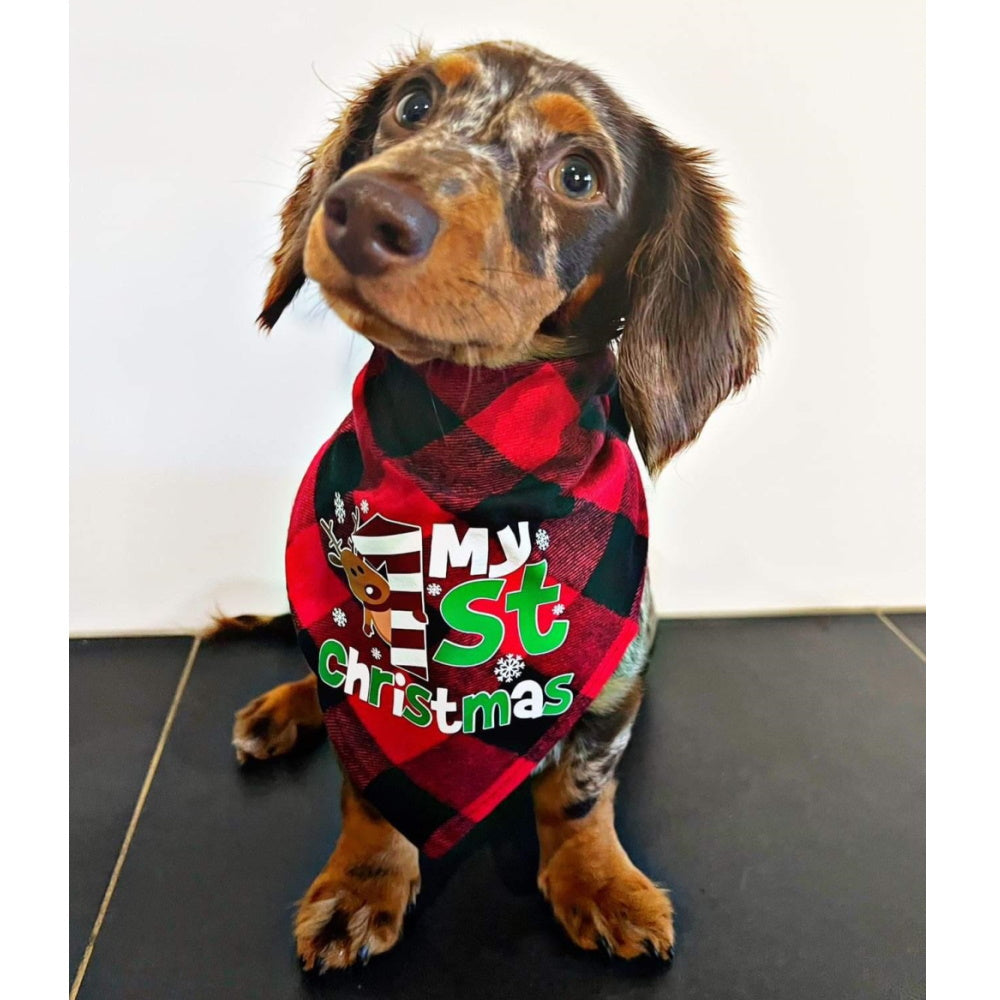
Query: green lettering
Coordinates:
[526,602]
[458,614]
[491,703]
[417,711]
[556,687]
[379,679]
[331,649]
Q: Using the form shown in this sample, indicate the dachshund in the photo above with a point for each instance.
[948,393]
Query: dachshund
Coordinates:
[489,207]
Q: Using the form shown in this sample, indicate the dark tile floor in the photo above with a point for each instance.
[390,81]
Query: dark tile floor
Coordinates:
[775,783]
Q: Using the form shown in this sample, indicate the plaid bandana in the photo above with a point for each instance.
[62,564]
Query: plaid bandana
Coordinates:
[465,566]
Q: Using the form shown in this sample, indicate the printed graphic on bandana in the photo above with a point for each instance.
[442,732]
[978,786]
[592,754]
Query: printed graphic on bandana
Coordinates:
[502,613]
[391,594]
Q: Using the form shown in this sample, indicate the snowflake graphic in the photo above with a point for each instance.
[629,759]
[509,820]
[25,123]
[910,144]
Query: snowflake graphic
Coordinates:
[339,617]
[338,508]
[509,668]
[364,506]
[558,609]
[434,589]
[376,653]
[541,539]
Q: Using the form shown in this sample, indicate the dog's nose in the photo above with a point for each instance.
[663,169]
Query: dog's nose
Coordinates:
[373,224]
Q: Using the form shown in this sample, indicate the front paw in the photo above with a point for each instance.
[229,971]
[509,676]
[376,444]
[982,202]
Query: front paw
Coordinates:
[603,900]
[353,912]
[272,724]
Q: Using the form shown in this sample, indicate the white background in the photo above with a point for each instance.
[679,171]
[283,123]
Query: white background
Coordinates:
[189,431]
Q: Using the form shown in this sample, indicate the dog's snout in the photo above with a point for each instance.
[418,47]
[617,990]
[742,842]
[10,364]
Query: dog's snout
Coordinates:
[373,224]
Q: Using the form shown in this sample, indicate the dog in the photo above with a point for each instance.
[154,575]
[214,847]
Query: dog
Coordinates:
[479,215]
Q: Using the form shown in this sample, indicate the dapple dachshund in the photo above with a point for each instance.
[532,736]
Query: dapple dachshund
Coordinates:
[490,207]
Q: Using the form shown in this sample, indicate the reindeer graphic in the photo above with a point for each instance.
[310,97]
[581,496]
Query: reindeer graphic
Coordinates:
[369,586]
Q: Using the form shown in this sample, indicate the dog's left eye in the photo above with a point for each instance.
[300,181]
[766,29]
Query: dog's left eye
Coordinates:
[576,177]
[414,107]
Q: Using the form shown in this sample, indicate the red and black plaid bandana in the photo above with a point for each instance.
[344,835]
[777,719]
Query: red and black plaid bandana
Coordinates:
[465,566]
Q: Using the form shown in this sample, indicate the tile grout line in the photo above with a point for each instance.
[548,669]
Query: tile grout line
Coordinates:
[134,821]
[901,635]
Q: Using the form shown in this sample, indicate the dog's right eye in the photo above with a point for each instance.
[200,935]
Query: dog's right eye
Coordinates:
[577,178]
[414,107]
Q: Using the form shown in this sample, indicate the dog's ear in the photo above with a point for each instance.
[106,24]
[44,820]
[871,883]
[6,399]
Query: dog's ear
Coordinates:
[349,143]
[693,327]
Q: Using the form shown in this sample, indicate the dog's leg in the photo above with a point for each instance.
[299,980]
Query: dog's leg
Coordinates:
[355,907]
[272,724]
[596,892]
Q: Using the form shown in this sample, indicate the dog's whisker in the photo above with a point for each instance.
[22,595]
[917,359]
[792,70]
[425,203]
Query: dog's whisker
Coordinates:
[493,295]
[516,274]
[315,73]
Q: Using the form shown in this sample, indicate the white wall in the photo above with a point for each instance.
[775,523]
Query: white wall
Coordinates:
[190,431]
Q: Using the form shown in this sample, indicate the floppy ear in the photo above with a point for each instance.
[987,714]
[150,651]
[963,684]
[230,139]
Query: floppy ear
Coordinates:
[693,326]
[349,143]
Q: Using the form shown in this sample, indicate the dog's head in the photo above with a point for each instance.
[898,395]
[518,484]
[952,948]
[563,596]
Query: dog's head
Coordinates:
[495,204]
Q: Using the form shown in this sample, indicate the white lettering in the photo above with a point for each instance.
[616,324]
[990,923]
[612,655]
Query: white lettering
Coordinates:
[446,548]
[528,699]
[442,706]
[516,551]
[357,675]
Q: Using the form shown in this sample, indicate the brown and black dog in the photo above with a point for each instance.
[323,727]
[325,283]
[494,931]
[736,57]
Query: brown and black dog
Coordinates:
[490,206]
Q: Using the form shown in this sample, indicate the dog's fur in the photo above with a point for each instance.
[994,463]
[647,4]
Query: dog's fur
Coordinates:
[519,269]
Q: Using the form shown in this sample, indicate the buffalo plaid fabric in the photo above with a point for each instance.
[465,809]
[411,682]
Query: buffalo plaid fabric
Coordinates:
[450,493]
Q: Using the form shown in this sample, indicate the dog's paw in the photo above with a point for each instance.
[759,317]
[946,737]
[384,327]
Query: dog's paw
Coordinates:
[352,913]
[606,902]
[272,724]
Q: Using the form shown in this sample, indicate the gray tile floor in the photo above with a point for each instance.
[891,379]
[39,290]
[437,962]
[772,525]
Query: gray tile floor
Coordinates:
[775,783]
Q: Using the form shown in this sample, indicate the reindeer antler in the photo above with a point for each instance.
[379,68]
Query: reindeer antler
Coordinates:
[336,556]
[356,517]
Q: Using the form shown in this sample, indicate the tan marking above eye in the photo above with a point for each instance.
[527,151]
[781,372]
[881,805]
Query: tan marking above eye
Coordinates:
[455,68]
[565,114]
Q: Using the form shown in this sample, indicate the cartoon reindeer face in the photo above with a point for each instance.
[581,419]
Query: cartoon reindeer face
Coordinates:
[366,583]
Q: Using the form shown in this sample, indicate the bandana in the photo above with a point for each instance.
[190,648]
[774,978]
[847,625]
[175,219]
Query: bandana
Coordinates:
[465,566]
